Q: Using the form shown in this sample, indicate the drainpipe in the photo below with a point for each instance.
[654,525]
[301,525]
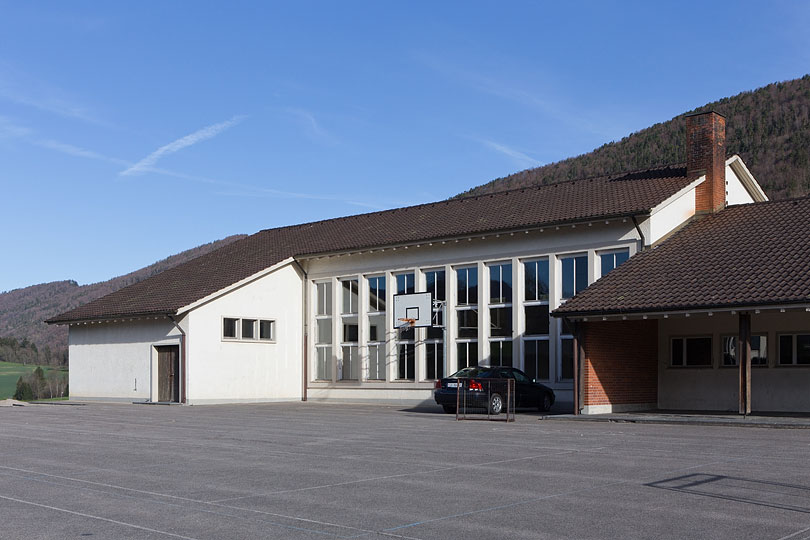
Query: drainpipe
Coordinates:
[640,234]
[305,316]
[182,358]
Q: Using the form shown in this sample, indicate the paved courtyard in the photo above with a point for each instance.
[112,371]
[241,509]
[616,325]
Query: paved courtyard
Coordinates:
[312,470]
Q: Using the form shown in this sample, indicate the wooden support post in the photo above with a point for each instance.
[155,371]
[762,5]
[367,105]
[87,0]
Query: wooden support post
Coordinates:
[576,367]
[744,362]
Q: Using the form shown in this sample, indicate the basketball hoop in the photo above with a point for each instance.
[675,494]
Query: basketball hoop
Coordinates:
[409,322]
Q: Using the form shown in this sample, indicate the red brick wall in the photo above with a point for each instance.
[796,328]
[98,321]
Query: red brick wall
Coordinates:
[621,362]
[706,154]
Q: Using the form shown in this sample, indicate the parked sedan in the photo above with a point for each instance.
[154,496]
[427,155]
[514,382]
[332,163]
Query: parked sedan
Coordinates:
[485,387]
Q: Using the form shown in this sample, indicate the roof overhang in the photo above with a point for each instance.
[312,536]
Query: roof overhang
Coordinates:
[590,316]
[750,183]
[129,317]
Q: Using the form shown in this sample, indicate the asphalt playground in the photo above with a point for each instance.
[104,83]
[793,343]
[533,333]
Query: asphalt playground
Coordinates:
[314,470]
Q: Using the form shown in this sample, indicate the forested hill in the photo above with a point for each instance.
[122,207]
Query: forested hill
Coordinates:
[769,128]
[23,335]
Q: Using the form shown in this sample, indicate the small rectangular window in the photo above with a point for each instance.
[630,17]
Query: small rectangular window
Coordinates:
[535,359]
[229,328]
[267,330]
[248,328]
[536,280]
[350,295]
[759,350]
[467,323]
[405,283]
[537,320]
[467,286]
[692,351]
[376,294]
[324,293]
[794,349]
[500,322]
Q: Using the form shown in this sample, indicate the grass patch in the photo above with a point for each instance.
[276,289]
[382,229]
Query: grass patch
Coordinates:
[10,372]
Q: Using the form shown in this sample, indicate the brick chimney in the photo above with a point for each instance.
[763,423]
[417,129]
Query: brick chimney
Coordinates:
[706,154]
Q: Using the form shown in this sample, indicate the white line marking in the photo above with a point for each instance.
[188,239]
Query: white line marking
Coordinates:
[57,509]
[795,534]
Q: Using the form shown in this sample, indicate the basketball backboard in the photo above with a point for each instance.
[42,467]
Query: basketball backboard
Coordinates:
[414,310]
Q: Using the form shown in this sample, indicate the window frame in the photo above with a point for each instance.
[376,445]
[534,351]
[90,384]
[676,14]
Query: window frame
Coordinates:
[256,321]
[794,349]
[685,365]
[614,252]
[736,364]
[573,257]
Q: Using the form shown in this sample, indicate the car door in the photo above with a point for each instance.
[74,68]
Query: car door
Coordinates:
[528,394]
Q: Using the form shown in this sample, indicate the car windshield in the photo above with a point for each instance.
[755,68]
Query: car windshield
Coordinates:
[476,371]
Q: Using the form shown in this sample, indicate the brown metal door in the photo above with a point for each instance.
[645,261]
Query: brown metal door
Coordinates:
[168,373]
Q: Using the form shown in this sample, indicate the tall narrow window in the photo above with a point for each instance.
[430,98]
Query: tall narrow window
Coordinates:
[467,316]
[536,317]
[349,366]
[611,259]
[434,342]
[323,331]
[376,328]
[406,352]
[574,275]
[500,314]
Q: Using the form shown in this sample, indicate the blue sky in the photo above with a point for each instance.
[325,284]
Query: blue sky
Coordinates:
[130,131]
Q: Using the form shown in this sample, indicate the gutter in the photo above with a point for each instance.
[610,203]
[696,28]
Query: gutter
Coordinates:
[305,317]
[182,358]
[640,234]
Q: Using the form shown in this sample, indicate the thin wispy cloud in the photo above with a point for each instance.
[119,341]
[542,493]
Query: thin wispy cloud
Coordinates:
[520,157]
[76,151]
[311,126]
[198,136]
[508,90]
[18,88]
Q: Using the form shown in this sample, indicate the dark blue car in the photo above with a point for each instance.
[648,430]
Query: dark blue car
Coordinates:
[485,387]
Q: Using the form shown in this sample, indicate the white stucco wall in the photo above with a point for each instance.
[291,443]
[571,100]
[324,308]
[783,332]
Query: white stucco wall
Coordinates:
[736,193]
[671,214]
[114,361]
[242,371]
[773,387]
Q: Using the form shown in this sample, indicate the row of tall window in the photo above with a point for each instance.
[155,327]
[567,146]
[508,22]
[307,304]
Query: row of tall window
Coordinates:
[534,303]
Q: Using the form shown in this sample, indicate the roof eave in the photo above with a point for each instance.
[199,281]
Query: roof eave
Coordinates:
[658,312]
[111,318]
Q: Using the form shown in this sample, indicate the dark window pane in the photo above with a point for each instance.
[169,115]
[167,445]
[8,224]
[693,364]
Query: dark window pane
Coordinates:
[568,278]
[622,256]
[730,351]
[229,328]
[803,349]
[530,280]
[467,354]
[467,323]
[435,284]
[266,330]
[677,352]
[405,283]
[536,320]
[500,353]
[581,273]
[350,333]
[699,351]
[530,358]
[608,262]
[376,293]
[406,333]
[786,349]
[472,285]
[248,328]
[461,281]
[567,359]
[500,322]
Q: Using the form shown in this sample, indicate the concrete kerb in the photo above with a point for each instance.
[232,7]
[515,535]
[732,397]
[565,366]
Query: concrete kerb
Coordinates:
[765,420]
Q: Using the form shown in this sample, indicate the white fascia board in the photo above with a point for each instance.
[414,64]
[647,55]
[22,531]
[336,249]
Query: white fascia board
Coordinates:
[675,196]
[234,286]
[748,181]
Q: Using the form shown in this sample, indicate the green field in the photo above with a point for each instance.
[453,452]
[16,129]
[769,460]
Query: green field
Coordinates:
[10,372]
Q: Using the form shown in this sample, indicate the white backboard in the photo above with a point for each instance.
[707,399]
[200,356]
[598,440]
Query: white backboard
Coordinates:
[417,306]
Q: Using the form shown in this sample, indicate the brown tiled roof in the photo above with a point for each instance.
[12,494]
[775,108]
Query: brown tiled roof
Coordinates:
[578,200]
[748,255]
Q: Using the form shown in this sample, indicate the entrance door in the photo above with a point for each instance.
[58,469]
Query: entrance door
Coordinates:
[168,373]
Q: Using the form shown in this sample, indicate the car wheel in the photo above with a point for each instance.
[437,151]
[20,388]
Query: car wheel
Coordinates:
[449,409]
[545,404]
[495,404]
